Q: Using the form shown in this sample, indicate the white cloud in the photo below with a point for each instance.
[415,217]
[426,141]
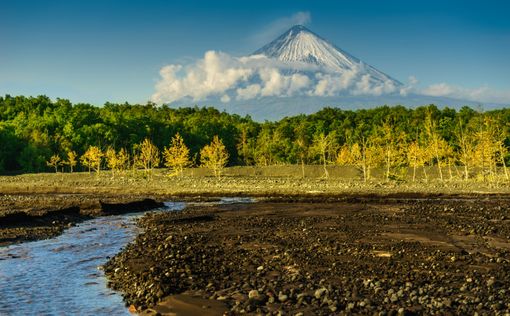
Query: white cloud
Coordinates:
[212,75]
[274,82]
[222,76]
[225,77]
[250,92]
[478,94]
[332,84]
[409,87]
[439,90]
[364,86]
[301,18]
[298,82]
[225,98]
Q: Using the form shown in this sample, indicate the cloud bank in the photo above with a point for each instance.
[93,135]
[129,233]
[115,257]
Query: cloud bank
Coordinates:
[226,77]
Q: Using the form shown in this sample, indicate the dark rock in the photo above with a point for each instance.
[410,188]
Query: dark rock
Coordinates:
[129,207]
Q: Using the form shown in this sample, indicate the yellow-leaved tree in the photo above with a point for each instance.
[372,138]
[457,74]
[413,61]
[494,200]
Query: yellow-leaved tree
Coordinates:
[92,158]
[122,160]
[71,159]
[54,162]
[368,155]
[437,145]
[417,157]
[393,145]
[214,156]
[148,156]
[302,146]
[324,145]
[177,155]
[344,156]
[112,162]
[466,150]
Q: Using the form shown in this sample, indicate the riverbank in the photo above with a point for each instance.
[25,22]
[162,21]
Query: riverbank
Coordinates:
[362,256]
[46,198]
[28,217]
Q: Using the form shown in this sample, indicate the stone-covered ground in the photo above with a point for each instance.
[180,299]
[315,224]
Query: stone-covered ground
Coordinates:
[362,256]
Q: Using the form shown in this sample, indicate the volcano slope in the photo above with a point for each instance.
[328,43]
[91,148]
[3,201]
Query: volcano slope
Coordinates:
[358,256]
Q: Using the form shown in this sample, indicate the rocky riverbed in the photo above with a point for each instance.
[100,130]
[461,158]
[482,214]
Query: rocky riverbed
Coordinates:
[360,256]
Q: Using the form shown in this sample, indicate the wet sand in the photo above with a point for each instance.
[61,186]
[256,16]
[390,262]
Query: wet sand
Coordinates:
[365,255]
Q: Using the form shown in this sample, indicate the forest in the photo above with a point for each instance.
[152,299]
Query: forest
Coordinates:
[38,134]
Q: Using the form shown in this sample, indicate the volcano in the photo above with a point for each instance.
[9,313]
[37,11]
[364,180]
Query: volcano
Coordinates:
[297,73]
[300,45]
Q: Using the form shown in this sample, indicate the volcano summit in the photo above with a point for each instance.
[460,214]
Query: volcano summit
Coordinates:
[301,45]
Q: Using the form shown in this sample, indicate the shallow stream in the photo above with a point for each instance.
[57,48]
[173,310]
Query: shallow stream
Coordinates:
[61,276]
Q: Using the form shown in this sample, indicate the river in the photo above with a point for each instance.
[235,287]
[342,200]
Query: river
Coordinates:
[62,275]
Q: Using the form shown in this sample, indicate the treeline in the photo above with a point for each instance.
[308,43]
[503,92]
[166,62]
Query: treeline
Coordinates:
[461,144]
[145,156]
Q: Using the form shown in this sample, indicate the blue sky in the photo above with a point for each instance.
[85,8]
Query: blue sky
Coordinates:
[97,51]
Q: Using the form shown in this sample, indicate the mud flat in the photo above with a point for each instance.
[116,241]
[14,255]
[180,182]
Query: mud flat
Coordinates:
[359,256]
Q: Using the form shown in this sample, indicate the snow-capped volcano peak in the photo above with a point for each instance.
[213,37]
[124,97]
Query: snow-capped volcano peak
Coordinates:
[299,44]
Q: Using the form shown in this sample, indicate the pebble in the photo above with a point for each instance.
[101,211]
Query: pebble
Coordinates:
[253,294]
[318,293]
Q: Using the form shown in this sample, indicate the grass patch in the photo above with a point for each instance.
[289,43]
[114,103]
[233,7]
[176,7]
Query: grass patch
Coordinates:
[250,180]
